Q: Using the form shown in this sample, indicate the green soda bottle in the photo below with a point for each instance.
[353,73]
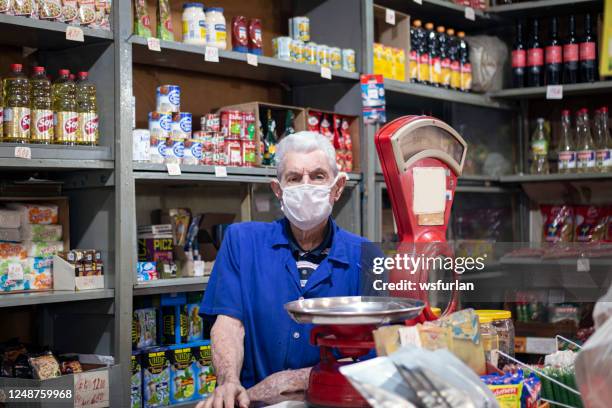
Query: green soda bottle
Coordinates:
[65,118]
[87,108]
[16,119]
[41,107]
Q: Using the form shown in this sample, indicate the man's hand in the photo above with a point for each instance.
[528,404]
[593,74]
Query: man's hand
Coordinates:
[281,386]
[227,395]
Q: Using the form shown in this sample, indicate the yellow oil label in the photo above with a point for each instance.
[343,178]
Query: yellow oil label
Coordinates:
[16,124]
[41,126]
[88,132]
[66,127]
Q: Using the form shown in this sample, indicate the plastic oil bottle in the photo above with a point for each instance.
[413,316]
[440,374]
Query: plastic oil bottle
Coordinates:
[41,111]
[87,108]
[65,119]
[16,120]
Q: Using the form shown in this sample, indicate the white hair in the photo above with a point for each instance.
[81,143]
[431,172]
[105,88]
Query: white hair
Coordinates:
[304,142]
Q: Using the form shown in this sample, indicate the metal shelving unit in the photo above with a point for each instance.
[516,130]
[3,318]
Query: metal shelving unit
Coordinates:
[555,178]
[539,92]
[40,298]
[157,287]
[541,7]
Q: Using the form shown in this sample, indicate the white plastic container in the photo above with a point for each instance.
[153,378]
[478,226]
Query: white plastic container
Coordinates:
[216,29]
[194,24]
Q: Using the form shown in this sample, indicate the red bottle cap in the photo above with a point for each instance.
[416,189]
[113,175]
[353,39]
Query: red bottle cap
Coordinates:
[604,109]
[38,70]
[72,77]
[64,72]
[83,74]
[16,67]
[565,112]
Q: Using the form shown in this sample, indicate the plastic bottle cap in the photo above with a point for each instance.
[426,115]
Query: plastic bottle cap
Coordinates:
[83,74]
[429,26]
[64,72]
[440,29]
[565,112]
[604,109]
[188,5]
[16,67]
[540,120]
[461,34]
[494,314]
[214,9]
[38,70]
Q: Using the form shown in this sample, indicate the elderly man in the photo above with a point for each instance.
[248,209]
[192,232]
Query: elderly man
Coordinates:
[259,353]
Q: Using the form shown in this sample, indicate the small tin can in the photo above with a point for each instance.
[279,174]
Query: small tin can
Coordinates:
[176,151]
[323,55]
[335,57]
[249,127]
[158,149]
[210,122]
[160,124]
[299,28]
[282,48]
[168,98]
[219,157]
[297,51]
[193,151]
[181,125]
[232,123]
[233,152]
[310,53]
[249,153]
[348,60]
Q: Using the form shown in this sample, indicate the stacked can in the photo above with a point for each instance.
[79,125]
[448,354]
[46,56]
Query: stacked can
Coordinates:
[163,147]
[159,128]
[232,128]
[213,141]
[248,144]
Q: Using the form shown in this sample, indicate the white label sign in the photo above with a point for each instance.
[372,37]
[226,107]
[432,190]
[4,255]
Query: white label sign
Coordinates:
[23,152]
[74,34]
[470,14]
[252,59]
[153,44]
[211,54]
[198,268]
[15,272]
[584,265]
[554,92]
[326,73]
[91,389]
[220,171]
[174,169]
[390,16]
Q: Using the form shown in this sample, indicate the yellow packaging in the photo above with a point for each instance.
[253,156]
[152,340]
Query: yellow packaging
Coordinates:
[399,64]
[508,396]
[378,59]
[466,77]
[455,75]
[413,66]
[605,60]
[423,69]
[435,73]
[434,337]
[388,62]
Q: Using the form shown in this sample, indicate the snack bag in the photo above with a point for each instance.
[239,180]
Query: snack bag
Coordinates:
[102,14]
[5,6]
[558,223]
[87,12]
[70,12]
[591,223]
[314,119]
[49,9]
[164,21]
[44,366]
[326,128]
[22,7]
[142,22]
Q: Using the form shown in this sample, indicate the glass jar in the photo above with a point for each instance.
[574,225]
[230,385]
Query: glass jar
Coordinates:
[502,322]
[216,31]
[490,340]
[194,24]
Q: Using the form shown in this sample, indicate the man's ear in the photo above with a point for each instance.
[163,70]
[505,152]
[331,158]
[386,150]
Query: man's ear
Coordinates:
[276,188]
[339,188]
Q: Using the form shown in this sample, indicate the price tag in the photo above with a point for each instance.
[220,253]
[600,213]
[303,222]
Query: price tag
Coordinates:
[418,1]
[390,16]
[198,268]
[470,14]
[174,169]
[153,44]
[15,272]
[23,152]
[262,204]
[74,34]
[584,265]
[91,389]
[554,92]
[211,54]
[220,171]
[326,72]
[252,59]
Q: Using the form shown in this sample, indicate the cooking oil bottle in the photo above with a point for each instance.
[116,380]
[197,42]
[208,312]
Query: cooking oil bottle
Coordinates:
[65,118]
[87,108]
[41,111]
[16,120]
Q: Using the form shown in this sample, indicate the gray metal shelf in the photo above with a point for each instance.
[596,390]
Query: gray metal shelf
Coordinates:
[160,286]
[398,93]
[232,64]
[554,178]
[57,157]
[38,298]
[46,35]
[539,92]
[543,8]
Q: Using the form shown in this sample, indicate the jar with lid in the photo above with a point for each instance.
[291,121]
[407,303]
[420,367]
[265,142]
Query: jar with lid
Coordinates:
[490,340]
[194,24]
[501,320]
[216,31]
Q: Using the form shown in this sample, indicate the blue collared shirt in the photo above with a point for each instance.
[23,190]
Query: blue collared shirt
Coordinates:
[255,274]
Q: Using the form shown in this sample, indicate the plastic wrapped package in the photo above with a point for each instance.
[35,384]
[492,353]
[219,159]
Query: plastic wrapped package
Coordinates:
[38,232]
[9,250]
[36,213]
[41,249]
[13,274]
[10,218]
[488,56]
[10,235]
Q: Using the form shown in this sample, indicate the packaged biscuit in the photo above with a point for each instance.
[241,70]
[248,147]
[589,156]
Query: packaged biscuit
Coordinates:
[39,275]
[13,274]
[36,213]
[10,235]
[39,232]
[10,218]
[9,250]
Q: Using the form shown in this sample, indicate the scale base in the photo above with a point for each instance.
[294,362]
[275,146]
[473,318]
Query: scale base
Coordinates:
[328,388]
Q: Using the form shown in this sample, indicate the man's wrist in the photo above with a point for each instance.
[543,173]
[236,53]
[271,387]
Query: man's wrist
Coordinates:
[230,379]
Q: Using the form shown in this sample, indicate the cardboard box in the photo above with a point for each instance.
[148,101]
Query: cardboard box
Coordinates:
[183,380]
[155,378]
[64,277]
[206,379]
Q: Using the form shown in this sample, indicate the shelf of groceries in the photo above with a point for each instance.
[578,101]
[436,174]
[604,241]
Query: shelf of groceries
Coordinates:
[54,296]
[161,286]
[540,7]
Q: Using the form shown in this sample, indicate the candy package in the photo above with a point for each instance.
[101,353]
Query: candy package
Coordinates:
[44,366]
[36,213]
[144,327]
[591,223]
[38,232]
[558,223]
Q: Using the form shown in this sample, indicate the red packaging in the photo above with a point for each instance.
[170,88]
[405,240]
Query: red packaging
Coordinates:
[211,123]
[248,131]
[558,223]
[231,124]
[240,36]
[591,222]
[219,153]
[249,153]
[255,36]
[348,144]
[314,119]
[338,141]
[233,152]
[325,128]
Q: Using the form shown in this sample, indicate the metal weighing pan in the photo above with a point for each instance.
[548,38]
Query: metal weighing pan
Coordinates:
[354,310]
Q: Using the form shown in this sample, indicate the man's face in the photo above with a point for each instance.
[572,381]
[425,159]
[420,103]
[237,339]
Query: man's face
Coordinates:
[309,168]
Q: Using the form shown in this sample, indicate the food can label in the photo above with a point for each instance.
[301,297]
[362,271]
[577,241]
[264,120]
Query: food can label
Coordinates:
[567,160]
[16,122]
[42,125]
[66,126]
[88,128]
[168,98]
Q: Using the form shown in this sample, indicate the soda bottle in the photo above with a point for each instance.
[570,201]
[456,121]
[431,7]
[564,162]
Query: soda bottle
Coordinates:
[588,53]
[566,151]
[553,56]
[444,59]
[453,54]
[424,62]
[535,58]
[413,58]
[585,162]
[435,68]
[464,63]
[570,54]
[602,155]
[289,123]
[65,117]
[16,120]
[519,58]
[41,111]
[87,109]
[539,149]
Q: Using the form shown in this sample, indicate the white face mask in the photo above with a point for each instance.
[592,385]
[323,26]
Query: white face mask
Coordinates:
[307,205]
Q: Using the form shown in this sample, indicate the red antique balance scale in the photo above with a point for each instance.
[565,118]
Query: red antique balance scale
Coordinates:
[421,159]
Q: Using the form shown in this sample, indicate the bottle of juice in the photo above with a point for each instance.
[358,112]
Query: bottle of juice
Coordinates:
[41,107]
[16,120]
[65,117]
[87,109]
[539,149]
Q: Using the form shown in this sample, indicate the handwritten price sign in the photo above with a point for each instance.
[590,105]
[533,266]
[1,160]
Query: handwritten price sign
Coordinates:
[91,389]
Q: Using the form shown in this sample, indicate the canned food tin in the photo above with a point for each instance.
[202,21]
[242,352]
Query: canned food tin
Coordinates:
[232,123]
[249,128]
[348,60]
[282,48]
[219,149]
[323,55]
[181,125]
[160,124]
[193,151]
[211,122]
[168,98]
[158,149]
[297,51]
[233,152]
[207,147]
[249,153]
[310,53]
[175,151]
[299,28]
[335,56]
